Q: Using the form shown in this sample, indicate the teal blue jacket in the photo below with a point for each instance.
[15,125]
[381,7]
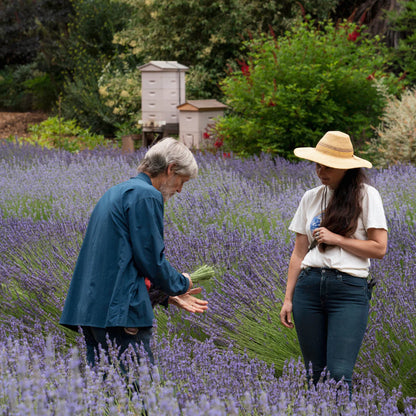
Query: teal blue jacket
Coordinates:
[123,244]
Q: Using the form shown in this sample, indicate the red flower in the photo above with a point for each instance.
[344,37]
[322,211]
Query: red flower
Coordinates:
[272,31]
[302,9]
[218,143]
[353,36]
[403,76]
[226,155]
[371,76]
[245,69]
[206,135]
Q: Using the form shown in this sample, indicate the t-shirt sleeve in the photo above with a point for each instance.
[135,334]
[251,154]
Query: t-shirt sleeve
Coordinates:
[373,210]
[298,223]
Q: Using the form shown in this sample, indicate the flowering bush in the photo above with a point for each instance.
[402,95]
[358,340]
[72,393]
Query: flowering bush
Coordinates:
[236,358]
[120,90]
[212,142]
[292,88]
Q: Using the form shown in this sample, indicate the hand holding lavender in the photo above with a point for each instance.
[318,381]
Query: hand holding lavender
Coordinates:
[202,274]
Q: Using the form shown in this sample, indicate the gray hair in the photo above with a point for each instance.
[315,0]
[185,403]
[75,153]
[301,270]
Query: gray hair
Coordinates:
[169,151]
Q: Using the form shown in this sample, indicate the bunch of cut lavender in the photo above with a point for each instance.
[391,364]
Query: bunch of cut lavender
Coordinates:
[202,274]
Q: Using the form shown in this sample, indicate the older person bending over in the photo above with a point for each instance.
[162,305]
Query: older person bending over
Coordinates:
[122,256]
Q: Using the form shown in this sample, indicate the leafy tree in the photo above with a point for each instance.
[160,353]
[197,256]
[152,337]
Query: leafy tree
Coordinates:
[206,35]
[20,27]
[27,81]
[294,88]
[404,21]
[84,52]
[371,13]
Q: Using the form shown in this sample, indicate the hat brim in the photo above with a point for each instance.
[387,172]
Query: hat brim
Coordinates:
[310,153]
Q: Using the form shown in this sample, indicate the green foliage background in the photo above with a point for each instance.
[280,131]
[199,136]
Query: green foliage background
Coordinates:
[57,56]
[86,49]
[29,31]
[206,35]
[404,23]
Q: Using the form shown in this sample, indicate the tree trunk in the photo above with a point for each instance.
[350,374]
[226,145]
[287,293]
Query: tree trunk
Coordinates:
[373,14]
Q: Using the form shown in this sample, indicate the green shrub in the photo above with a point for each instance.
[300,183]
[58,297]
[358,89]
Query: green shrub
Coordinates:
[294,88]
[63,134]
[404,55]
[13,93]
[42,91]
[395,139]
[25,88]
[82,102]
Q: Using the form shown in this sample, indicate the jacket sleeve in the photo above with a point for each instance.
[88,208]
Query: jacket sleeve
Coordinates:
[145,221]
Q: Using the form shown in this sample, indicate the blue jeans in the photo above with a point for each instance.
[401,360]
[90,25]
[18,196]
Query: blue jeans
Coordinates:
[330,310]
[97,336]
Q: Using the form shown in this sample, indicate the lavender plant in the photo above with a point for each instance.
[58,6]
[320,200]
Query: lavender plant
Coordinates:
[235,359]
[46,381]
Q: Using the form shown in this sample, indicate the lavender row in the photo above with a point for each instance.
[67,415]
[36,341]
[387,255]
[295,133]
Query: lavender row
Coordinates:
[193,379]
[251,247]
[234,216]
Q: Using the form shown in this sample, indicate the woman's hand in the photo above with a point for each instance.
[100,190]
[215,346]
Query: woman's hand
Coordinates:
[323,235]
[188,302]
[299,251]
[374,247]
[286,314]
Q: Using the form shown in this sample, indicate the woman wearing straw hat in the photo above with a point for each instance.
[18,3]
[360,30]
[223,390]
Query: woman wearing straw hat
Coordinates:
[339,226]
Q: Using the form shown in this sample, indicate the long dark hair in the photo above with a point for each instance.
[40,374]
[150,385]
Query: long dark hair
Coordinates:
[344,208]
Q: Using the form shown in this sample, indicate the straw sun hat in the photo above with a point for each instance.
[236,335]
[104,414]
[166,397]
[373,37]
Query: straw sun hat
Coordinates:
[333,150]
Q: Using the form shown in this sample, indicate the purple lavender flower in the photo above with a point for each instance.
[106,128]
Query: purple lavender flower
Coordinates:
[234,216]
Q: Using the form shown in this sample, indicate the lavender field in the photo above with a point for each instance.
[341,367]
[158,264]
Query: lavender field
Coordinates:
[234,360]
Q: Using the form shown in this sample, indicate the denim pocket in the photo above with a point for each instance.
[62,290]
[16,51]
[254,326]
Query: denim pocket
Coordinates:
[347,288]
[352,280]
[301,275]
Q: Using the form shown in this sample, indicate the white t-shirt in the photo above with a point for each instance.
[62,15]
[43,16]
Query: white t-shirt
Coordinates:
[308,217]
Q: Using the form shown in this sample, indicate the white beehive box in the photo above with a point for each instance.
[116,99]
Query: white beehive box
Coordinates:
[195,117]
[163,89]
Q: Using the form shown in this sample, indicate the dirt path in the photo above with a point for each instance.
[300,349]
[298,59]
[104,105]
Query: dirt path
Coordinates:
[17,123]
